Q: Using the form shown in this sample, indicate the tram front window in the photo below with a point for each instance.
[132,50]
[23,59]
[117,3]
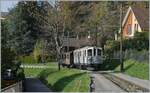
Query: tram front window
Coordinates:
[98,52]
[90,52]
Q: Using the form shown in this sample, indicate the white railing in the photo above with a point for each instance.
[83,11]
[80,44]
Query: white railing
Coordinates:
[17,87]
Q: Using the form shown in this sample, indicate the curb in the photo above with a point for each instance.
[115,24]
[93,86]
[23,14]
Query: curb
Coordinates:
[124,84]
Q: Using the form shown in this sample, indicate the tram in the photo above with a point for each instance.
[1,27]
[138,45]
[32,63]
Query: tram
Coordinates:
[89,56]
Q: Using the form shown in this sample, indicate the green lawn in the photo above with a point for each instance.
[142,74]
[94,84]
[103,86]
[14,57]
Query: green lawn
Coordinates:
[35,72]
[65,80]
[32,72]
[136,69]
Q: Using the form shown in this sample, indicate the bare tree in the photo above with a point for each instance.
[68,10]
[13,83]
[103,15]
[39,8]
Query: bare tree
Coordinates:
[53,23]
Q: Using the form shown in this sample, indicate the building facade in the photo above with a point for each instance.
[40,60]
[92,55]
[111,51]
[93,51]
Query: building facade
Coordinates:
[136,19]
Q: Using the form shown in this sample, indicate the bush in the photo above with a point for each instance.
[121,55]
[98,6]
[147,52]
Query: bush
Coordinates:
[50,59]
[110,64]
[9,62]
[37,52]
[7,58]
[144,35]
[111,46]
[136,43]
[20,74]
[27,59]
[139,42]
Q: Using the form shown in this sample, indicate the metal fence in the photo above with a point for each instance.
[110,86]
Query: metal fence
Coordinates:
[17,87]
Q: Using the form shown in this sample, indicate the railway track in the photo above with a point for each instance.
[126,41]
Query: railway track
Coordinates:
[126,85]
[106,82]
[103,84]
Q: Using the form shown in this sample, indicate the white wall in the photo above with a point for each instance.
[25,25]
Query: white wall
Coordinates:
[134,21]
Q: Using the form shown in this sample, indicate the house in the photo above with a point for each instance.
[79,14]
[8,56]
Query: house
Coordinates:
[136,19]
[3,15]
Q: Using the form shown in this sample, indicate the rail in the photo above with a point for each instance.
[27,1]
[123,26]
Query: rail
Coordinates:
[126,85]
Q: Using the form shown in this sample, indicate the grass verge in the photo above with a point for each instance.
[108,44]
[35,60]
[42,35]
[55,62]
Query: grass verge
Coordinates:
[135,69]
[65,80]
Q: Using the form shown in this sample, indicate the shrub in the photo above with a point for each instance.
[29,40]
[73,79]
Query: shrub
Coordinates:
[110,64]
[29,59]
[37,52]
[20,74]
[7,58]
[139,42]
[111,46]
[9,62]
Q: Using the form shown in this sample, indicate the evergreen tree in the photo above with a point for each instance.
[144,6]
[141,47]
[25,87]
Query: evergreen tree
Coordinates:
[26,28]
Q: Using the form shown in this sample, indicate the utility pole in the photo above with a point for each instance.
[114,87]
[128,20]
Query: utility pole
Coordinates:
[67,41]
[96,36]
[121,56]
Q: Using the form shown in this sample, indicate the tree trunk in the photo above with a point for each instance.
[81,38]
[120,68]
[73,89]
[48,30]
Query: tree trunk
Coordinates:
[58,60]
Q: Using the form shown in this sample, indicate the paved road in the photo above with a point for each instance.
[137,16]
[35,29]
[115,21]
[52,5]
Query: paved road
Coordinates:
[35,85]
[104,85]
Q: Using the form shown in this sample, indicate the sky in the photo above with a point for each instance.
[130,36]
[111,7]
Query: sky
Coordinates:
[5,5]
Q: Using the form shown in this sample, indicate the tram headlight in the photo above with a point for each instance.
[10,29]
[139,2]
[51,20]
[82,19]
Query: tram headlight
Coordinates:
[89,59]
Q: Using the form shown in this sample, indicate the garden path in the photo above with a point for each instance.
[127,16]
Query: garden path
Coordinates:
[35,85]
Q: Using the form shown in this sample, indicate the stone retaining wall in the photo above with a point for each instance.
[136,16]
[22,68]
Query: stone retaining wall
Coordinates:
[17,87]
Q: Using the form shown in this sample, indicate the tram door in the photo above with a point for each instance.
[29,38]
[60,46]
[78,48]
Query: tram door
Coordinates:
[89,58]
[71,58]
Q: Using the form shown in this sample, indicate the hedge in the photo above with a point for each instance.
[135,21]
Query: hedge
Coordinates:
[139,42]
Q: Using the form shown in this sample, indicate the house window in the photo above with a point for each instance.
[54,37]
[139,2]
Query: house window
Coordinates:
[136,27]
[129,29]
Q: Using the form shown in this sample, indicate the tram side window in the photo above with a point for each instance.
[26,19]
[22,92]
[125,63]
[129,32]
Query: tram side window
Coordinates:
[64,56]
[94,52]
[80,53]
[98,52]
[90,52]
